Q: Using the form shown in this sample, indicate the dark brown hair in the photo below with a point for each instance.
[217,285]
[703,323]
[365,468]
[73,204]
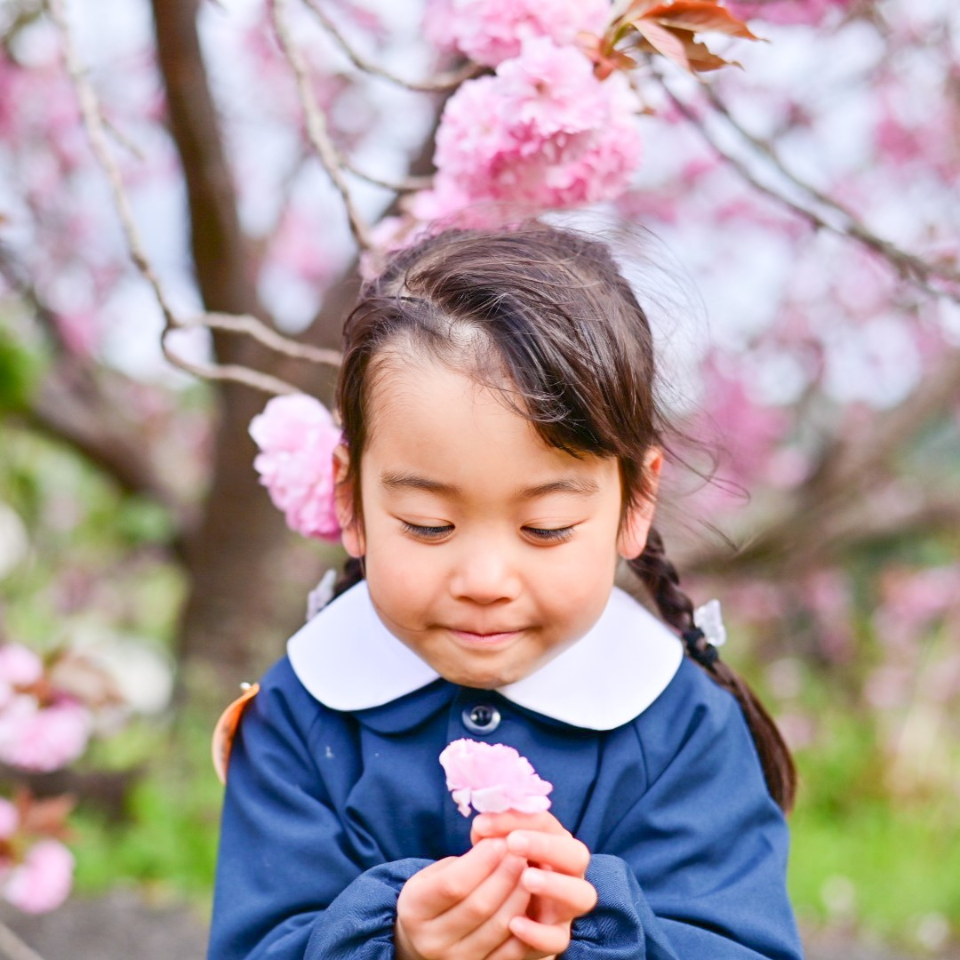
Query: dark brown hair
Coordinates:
[544,315]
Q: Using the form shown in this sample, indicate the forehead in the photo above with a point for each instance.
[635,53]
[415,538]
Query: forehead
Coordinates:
[430,420]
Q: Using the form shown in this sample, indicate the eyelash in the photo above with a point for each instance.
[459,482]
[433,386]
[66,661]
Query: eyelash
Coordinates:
[435,533]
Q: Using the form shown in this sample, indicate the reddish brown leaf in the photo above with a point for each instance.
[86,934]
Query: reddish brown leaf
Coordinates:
[47,817]
[703,60]
[664,41]
[680,47]
[636,9]
[699,16]
[607,60]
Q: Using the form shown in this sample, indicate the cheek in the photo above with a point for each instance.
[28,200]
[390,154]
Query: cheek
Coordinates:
[401,574]
[579,582]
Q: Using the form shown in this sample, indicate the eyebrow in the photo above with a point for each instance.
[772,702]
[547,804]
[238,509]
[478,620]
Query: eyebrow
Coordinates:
[579,486]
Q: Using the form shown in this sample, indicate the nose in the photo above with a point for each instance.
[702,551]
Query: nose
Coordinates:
[485,573]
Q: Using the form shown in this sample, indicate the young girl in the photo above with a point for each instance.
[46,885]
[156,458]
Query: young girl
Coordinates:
[501,450]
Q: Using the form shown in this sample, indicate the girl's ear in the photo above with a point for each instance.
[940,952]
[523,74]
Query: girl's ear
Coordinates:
[344,504]
[639,517]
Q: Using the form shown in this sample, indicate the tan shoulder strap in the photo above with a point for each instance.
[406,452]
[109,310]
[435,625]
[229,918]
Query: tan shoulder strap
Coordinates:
[226,729]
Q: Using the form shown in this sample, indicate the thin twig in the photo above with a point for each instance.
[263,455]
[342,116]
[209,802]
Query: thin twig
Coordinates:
[95,125]
[96,130]
[854,226]
[252,327]
[908,266]
[264,382]
[14,947]
[316,123]
[124,140]
[439,84]
[407,185]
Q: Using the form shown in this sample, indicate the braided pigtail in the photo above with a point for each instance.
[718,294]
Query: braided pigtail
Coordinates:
[662,580]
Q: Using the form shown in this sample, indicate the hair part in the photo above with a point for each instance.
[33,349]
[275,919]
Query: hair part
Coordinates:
[543,317]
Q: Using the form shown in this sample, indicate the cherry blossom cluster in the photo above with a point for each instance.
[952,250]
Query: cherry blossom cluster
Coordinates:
[541,132]
[48,711]
[492,778]
[297,436]
[36,871]
[42,728]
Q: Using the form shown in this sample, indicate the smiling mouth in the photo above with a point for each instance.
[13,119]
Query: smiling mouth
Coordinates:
[484,638]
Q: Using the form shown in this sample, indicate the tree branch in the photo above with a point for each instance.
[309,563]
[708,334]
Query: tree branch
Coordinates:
[909,261]
[316,123]
[908,266]
[804,538]
[443,82]
[70,408]
[245,323]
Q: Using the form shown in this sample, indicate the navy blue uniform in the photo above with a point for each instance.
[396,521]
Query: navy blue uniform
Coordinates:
[329,811]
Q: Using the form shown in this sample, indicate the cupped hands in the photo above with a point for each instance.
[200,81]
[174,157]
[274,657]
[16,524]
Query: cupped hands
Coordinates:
[513,896]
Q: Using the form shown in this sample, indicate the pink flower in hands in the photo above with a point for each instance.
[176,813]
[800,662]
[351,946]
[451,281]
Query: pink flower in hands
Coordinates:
[43,881]
[492,778]
[297,436]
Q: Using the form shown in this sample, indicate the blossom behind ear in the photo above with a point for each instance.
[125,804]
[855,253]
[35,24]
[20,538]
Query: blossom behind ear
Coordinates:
[351,530]
[296,434]
[638,517]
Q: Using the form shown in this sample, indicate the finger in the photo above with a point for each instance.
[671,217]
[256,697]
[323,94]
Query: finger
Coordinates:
[483,924]
[439,887]
[500,824]
[559,898]
[549,939]
[489,897]
[515,949]
[555,851]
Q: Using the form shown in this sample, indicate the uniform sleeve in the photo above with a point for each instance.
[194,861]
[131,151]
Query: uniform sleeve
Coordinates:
[287,886]
[696,868]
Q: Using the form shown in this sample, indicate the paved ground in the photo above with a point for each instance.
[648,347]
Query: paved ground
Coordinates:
[122,927]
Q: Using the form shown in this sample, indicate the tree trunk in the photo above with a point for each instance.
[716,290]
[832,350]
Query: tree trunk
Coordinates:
[238,611]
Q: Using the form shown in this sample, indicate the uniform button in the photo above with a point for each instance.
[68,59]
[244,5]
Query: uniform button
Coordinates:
[481,719]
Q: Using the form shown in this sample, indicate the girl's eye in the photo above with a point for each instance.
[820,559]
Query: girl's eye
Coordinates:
[551,536]
[426,533]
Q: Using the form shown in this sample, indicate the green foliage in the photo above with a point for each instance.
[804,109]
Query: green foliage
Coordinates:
[98,561]
[20,371]
[167,839]
[862,859]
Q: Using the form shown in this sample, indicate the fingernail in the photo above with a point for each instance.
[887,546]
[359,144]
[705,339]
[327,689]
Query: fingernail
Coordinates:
[532,880]
[498,846]
[518,843]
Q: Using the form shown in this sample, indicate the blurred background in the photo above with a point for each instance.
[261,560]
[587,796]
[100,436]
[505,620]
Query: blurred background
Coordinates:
[798,218]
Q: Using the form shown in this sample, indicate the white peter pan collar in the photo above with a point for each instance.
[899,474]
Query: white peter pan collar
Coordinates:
[348,660]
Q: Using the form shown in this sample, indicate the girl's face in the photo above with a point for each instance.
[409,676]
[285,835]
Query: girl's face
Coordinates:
[486,551]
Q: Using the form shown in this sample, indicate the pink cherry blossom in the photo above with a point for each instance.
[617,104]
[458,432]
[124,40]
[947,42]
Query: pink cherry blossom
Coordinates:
[43,738]
[43,881]
[19,665]
[543,132]
[297,436]
[491,31]
[492,777]
[792,12]
[9,819]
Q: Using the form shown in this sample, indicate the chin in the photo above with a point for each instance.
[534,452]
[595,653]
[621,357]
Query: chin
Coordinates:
[478,680]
